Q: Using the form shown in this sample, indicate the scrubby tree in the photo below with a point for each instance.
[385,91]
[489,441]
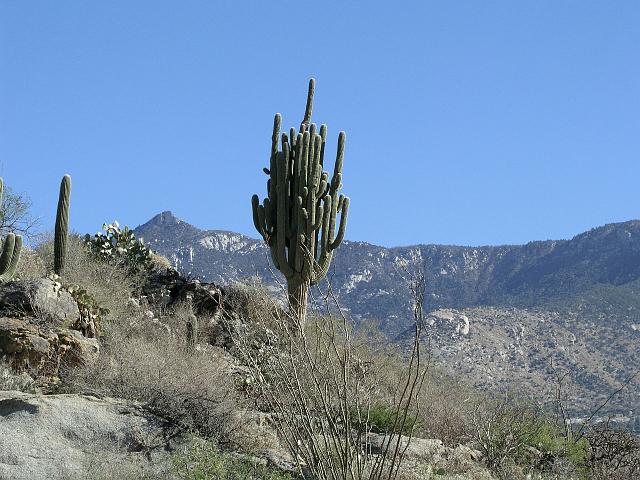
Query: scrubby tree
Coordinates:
[15,214]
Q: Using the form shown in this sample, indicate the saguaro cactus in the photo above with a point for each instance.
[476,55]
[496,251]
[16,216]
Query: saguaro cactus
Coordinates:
[298,218]
[62,226]
[11,247]
[192,324]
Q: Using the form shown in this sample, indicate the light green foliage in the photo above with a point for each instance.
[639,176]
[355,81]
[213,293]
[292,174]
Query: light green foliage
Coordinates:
[120,246]
[202,460]
[381,418]
[298,218]
[551,440]
[508,430]
[62,226]
[11,247]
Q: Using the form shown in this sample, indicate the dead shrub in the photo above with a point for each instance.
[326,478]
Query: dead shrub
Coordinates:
[109,284]
[446,408]
[144,361]
[325,384]
[613,453]
[31,265]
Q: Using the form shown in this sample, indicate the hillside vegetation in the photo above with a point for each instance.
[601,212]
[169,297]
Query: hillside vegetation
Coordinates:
[226,389]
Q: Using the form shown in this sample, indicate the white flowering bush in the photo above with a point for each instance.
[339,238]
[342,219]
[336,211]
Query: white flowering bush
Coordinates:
[120,246]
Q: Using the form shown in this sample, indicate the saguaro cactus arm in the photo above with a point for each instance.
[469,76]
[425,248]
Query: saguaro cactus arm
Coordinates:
[10,270]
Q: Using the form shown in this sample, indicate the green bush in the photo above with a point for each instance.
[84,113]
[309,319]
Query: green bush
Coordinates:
[550,440]
[202,460]
[382,419]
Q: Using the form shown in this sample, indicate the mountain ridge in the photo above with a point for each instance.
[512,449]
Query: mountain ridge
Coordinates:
[366,277]
[170,217]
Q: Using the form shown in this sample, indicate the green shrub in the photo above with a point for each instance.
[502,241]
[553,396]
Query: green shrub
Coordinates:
[202,460]
[382,419]
[550,440]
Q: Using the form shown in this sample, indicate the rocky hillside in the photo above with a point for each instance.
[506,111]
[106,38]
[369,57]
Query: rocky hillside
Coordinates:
[528,351]
[499,314]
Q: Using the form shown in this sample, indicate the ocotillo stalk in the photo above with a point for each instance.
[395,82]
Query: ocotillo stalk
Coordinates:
[62,226]
[11,248]
[298,218]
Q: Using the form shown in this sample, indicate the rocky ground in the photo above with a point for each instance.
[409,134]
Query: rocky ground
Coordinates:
[45,331]
[78,436]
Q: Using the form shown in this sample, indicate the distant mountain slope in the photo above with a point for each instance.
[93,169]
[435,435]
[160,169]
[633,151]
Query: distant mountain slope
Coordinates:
[586,273]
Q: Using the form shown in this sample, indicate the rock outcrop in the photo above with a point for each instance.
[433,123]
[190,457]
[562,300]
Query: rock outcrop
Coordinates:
[74,436]
[38,329]
[29,348]
[42,298]
[168,287]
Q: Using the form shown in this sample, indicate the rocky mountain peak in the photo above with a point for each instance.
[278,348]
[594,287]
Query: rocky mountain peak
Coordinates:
[164,225]
[165,218]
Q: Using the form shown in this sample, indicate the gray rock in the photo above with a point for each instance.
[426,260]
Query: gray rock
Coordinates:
[430,455]
[41,351]
[40,298]
[76,436]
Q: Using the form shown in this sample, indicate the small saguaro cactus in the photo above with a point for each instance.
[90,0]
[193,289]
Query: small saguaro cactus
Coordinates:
[192,330]
[62,226]
[298,218]
[11,248]
[192,324]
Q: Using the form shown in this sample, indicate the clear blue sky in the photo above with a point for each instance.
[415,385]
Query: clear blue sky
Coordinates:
[468,122]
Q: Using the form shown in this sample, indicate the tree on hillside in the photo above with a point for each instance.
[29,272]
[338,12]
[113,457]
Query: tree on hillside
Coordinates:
[15,214]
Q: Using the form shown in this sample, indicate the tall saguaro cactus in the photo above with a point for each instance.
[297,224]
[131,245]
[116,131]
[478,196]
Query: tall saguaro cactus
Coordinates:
[298,218]
[62,226]
[11,248]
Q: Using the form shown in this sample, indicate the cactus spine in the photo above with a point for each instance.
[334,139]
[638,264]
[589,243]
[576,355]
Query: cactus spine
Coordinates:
[62,226]
[11,248]
[298,218]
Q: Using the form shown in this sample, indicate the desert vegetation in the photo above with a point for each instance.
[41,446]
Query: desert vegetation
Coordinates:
[246,386]
[343,403]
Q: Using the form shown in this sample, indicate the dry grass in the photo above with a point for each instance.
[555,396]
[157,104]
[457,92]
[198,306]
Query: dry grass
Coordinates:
[9,380]
[143,361]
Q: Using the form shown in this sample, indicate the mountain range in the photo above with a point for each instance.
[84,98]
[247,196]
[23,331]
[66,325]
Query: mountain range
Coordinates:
[596,272]
[498,315]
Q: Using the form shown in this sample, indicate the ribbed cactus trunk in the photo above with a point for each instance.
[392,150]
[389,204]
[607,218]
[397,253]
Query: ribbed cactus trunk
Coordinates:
[298,218]
[62,226]
[298,301]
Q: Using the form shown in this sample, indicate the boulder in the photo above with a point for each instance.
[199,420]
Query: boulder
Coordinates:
[168,287]
[42,299]
[49,437]
[432,456]
[43,352]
